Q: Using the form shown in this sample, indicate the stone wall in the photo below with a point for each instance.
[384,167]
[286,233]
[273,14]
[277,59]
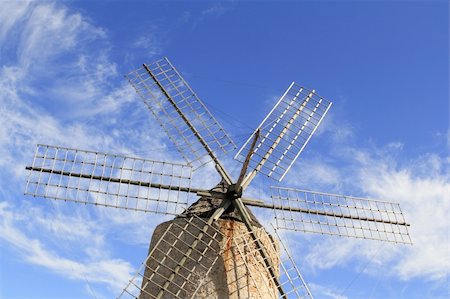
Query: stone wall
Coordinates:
[239,272]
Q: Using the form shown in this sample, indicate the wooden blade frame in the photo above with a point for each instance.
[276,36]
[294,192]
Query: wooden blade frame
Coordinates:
[324,213]
[285,268]
[284,132]
[184,117]
[179,264]
[109,180]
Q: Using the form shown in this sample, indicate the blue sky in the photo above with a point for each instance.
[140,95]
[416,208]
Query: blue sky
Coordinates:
[384,64]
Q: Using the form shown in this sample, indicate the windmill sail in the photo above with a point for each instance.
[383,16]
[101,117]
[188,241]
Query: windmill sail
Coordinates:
[307,211]
[285,132]
[289,276]
[179,263]
[184,117]
[109,180]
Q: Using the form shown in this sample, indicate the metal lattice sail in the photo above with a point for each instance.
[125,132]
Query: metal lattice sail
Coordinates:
[214,248]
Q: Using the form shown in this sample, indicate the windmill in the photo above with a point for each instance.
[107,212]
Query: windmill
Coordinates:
[215,248]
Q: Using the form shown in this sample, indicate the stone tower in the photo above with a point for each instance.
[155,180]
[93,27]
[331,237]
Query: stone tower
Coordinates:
[238,272]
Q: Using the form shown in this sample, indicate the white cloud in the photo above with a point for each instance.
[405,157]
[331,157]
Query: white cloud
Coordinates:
[148,43]
[130,227]
[94,269]
[49,31]
[320,291]
[82,87]
[314,173]
[422,188]
[216,9]
[424,198]
[61,88]
[11,13]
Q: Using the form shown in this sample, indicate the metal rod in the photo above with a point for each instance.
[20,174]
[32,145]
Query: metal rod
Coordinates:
[293,264]
[115,180]
[251,175]
[267,116]
[306,142]
[219,166]
[302,129]
[96,152]
[329,194]
[246,162]
[203,105]
[204,192]
[260,204]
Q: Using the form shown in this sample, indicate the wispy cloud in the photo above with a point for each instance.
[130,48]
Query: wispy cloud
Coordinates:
[425,201]
[11,13]
[148,43]
[94,268]
[61,87]
[420,185]
[321,291]
[85,85]
[47,31]
[215,9]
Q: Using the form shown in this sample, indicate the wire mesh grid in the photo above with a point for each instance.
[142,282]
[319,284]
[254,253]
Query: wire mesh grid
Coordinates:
[291,279]
[184,117]
[108,180]
[178,265]
[333,214]
[285,131]
[288,275]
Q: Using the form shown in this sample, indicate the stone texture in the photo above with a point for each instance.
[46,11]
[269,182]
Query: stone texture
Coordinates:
[170,247]
[246,275]
[236,274]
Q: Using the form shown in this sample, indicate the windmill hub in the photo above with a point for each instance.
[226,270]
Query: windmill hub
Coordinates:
[233,193]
